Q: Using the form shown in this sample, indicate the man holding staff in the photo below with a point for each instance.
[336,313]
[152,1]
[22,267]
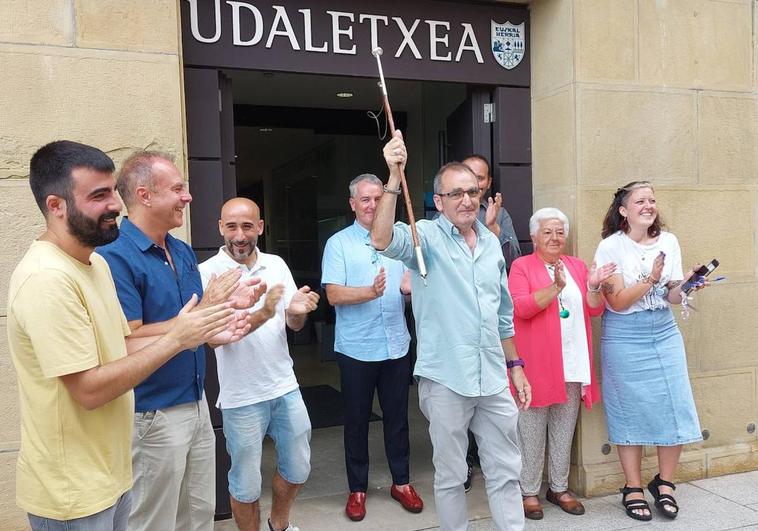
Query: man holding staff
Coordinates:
[465,332]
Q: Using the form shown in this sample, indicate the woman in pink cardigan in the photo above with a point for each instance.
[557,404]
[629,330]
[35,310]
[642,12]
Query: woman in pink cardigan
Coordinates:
[554,296]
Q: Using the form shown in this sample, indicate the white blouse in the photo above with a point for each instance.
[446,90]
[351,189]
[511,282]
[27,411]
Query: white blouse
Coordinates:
[576,354]
[635,262]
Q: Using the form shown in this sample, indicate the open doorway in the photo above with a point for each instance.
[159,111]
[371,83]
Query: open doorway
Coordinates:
[291,144]
[299,140]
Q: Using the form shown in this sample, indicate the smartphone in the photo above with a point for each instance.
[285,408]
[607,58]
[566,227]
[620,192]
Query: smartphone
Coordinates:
[701,273]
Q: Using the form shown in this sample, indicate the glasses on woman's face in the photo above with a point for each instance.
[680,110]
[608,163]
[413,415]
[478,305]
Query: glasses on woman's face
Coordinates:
[457,194]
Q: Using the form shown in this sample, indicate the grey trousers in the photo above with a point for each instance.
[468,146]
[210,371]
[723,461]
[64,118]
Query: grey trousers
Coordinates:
[492,419]
[174,466]
[555,423]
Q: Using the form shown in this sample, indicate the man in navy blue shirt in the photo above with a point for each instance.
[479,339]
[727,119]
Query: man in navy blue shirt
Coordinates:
[173,446]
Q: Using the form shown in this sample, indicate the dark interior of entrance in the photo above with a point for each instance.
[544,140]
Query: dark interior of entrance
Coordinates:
[292,143]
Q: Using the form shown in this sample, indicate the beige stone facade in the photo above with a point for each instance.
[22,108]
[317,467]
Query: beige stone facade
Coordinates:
[665,91]
[621,89]
[106,73]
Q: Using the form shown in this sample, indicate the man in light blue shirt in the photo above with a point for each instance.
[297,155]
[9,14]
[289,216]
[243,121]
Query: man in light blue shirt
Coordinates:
[371,342]
[464,327]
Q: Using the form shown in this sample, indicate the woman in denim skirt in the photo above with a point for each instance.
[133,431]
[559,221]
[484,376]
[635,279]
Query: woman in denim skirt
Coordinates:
[646,389]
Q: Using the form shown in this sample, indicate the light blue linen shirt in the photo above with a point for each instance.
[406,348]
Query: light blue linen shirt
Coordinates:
[463,312]
[374,330]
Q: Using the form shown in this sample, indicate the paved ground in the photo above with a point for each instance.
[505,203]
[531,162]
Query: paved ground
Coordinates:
[715,504]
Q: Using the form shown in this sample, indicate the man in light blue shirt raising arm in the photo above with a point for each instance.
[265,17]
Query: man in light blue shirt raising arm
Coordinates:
[371,342]
[465,332]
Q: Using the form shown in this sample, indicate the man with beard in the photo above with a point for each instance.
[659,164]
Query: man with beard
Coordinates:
[173,448]
[66,334]
[464,325]
[259,394]
[371,342]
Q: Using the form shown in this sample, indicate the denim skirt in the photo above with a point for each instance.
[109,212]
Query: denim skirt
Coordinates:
[647,394]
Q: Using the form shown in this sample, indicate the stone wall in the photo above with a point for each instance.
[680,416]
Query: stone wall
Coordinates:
[665,91]
[102,72]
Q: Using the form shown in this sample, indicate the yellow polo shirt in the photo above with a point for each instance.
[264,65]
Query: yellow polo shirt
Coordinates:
[64,317]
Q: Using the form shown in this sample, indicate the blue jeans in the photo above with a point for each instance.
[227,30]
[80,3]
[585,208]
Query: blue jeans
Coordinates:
[114,518]
[286,421]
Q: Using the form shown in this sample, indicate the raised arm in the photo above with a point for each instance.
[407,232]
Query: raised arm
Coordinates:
[395,156]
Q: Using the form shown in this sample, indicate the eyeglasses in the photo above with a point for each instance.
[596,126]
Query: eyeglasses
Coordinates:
[457,194]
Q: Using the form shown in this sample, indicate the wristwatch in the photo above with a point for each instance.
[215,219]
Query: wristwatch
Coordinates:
[514,363]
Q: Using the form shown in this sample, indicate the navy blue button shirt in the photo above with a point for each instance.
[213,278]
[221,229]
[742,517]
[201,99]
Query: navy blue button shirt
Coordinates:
[150,290]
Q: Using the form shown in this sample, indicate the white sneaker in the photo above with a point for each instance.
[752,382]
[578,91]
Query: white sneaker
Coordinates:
[290,527]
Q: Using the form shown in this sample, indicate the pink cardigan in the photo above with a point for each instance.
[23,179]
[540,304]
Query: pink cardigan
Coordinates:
[538,331]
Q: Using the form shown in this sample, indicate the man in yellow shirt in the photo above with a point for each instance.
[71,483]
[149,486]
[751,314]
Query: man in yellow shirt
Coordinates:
[66,333]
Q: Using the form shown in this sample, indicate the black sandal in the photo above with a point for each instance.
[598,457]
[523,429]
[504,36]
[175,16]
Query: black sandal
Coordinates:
[635,505]
[663,500]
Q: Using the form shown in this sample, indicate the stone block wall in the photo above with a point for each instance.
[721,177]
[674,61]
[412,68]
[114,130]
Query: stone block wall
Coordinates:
[664,91]
[102,72]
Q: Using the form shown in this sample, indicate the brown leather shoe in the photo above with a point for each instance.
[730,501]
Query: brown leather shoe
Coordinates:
[408,498]
[566,501]
[356,506]
[532,508]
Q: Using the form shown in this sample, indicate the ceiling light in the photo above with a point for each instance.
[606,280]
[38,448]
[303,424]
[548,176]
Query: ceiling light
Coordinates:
[344,94]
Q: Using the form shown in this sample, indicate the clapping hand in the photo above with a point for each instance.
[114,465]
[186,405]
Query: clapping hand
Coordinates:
[303,302]
[219,288]
[598,275]
[248,293]
[493,207]
[380,283]
[235,330]
[658,263]
[273,296]
[560,275]
[195,325]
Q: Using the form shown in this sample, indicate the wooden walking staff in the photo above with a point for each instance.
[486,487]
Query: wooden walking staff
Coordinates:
[377,52]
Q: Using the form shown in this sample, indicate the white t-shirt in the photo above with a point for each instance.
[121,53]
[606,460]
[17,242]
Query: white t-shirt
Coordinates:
[576,355]
[258,367]
[635,262]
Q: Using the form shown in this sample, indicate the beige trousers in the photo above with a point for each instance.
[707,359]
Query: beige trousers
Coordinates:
[174,464]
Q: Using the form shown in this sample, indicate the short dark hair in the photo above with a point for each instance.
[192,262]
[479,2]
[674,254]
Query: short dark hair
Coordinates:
[51,166]
[450,166]
[481,159]
[615,222]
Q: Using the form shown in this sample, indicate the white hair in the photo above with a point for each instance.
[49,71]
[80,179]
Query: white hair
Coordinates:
[544,214]
[367,177]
